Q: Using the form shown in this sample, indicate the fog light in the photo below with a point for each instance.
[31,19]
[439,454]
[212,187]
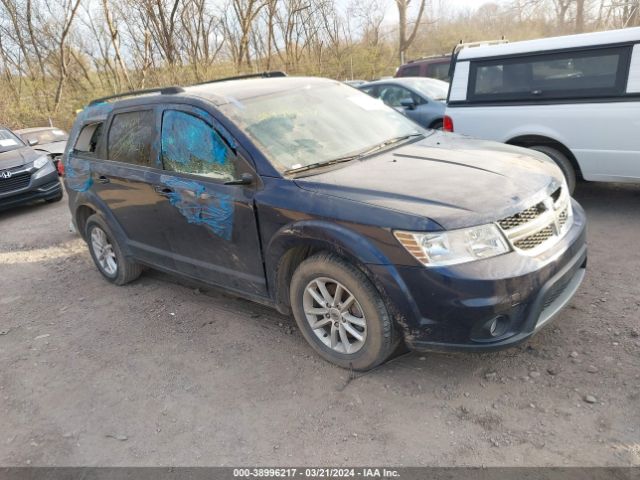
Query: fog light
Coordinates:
[498,326]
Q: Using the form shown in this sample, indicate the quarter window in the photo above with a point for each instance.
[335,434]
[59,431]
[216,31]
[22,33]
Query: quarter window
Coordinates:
[190,145]
[590,73]
[88,138]
[131,136]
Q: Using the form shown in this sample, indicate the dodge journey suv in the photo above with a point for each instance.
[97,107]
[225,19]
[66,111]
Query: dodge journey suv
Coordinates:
[314,198]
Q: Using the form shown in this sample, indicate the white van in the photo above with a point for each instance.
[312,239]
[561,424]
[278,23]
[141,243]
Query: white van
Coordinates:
[575,98]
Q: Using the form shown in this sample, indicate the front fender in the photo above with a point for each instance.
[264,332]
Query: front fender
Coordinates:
[344,241]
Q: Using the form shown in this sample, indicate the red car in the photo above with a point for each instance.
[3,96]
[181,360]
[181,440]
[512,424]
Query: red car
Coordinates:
[432,67]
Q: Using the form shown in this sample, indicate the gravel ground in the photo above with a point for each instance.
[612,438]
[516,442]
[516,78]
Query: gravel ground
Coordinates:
[160,373]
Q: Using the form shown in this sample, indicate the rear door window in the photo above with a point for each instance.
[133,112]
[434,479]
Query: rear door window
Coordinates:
[586,73]
[131,137]
[191,145]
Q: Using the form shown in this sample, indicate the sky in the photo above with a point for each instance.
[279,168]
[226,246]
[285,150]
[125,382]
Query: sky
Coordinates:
[391,14]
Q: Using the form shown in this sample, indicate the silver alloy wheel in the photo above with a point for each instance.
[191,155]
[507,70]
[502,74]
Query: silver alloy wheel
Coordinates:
[103,251]
[335,315]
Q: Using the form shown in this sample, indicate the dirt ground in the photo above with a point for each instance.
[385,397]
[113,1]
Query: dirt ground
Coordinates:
[158,373]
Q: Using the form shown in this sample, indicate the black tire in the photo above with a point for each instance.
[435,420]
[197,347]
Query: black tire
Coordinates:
[126,270]
[563,163]
[57,198]
[380,340]
[437,125]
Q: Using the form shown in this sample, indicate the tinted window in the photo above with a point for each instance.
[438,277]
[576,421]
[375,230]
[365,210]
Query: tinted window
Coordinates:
[412,71]
[131,136]
[393,95]
[439,71]
[190,145]
[89,137]
[560,75]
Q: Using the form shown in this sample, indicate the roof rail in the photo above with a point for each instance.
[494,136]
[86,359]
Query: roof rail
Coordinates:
[428,57]
[482,43]
[133,93]
[275,73]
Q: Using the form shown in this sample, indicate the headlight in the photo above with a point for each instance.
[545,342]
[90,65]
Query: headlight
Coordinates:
[437,249]
[40,162]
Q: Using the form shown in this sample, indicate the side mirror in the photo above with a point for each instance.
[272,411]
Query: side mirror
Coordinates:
[245,179]
[408,103]
[33,142]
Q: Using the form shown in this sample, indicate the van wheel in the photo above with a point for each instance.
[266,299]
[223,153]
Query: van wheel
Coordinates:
[562,161]
[107,255]
[340,313]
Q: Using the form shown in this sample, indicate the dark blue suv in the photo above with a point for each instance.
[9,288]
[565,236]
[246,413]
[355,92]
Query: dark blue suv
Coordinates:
[310,196]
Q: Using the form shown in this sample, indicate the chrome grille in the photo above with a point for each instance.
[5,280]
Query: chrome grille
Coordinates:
[522,217]
[532,241]
[541,225]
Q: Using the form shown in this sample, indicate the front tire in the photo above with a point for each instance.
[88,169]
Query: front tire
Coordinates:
[107,254]
[340,313]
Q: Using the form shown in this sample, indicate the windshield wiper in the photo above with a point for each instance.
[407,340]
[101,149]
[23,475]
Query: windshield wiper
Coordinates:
[356,156]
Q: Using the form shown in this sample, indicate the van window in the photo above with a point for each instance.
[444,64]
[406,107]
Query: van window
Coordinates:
[190,145]
[88,138]
[590,73]
[131,136]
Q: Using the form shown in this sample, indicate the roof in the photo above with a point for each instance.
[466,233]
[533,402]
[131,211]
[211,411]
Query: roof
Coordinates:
[429,59]
[625,35]
[407,81]
[35,129]
[218,92]
[237,90]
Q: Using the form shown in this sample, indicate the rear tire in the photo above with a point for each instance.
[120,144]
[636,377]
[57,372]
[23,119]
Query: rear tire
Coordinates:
[563,163]
[107,254]
[329,318]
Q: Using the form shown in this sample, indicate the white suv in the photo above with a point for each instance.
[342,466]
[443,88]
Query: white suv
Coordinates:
[575,98]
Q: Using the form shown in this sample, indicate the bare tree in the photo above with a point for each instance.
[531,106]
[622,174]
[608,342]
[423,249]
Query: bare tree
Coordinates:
[404,40]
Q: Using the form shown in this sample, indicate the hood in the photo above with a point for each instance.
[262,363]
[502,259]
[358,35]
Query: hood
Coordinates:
[16,158]
[55,148]
[453,180]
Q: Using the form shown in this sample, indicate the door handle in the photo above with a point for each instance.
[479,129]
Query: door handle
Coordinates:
[162,190]
[103,179]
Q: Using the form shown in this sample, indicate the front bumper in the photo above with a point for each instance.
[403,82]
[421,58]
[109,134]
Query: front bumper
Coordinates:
[452,308]
[43,188]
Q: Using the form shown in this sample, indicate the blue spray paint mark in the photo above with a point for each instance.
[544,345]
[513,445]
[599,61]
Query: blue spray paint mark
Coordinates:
[78,173]
[187,140]
[220,128]
[199,207]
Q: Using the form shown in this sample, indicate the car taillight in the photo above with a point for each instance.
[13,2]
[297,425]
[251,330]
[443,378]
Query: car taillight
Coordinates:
[60,168]
[447,124]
